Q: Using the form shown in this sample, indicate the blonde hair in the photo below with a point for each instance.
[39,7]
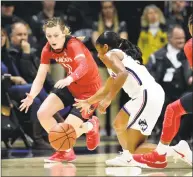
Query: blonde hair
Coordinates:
[57,21]
[54,22]
[144,20]
[7,44]
[101,23]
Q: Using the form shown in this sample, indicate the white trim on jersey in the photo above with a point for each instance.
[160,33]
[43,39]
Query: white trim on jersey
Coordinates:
[80,55]
[68,67]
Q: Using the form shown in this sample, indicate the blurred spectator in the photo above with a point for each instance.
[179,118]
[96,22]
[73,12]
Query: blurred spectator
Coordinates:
[79,15]
[153,34]
[178,16]
[24,57]
[170,67]
[178,12]
[108,20]
[8,18]
[18,90]
[37,21]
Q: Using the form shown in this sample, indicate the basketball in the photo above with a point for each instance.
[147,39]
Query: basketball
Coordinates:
[62,136]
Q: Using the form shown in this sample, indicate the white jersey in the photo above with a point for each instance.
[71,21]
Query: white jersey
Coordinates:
[138,79]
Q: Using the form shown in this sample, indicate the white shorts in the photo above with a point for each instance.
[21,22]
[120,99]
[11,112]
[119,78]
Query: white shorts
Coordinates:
[145,110]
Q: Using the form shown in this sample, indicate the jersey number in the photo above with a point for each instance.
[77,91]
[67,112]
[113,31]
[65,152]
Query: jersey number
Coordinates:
[68,67]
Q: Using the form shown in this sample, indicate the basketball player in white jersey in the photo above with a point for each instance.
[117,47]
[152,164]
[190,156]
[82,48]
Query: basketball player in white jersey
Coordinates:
[137,118]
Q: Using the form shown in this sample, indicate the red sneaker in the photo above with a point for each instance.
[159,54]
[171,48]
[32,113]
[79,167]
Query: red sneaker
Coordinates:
[93,136]
[62,156]
[152,159]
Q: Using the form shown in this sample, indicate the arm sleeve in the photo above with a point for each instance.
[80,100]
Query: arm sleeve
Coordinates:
[77,52]
[45,59]
[188,52]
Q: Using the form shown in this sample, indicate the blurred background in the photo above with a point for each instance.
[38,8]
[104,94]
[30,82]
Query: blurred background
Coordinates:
[158,28]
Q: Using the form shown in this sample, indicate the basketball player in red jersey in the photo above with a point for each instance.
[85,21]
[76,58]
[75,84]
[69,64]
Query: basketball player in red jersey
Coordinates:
[171,124]
[82,82]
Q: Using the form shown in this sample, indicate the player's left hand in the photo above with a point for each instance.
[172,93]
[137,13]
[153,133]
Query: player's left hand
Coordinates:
[63,82]
[103,105]
[83,104]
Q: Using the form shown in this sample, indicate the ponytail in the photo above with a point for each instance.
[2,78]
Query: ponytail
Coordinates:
[131,50]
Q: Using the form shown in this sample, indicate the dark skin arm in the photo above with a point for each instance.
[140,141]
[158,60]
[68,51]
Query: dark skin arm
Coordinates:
[112,86]
[102,92]
[113,62]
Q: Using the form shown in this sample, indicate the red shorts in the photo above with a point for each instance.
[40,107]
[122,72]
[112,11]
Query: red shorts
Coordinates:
[84,91]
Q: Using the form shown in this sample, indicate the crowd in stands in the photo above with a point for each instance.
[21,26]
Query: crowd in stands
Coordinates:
[161,38]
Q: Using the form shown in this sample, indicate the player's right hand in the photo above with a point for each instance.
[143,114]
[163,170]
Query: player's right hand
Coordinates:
[83,105]
[63,82]
[103,106]
[26,103]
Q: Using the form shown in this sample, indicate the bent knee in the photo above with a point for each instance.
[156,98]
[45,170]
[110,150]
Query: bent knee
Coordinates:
[43,113]
[40,113]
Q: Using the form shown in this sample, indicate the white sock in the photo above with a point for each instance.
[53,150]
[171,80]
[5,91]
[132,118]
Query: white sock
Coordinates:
[68,150]
[90,126]
[162,148]
[127,153]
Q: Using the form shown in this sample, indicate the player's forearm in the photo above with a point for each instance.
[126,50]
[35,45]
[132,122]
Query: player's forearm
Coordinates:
[102,92]
[118,84]
[36,87]
[98,96]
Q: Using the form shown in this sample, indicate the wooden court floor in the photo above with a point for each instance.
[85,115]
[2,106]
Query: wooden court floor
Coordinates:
[16,164]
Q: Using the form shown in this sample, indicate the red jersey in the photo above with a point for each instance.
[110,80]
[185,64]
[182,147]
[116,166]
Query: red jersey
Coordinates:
[79,64]
[188,51]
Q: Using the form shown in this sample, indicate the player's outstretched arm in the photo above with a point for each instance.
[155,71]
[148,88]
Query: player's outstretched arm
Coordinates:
[97,97]
[39,80]
[117,66]
[111,88]
[36,87]
[102,92]
[113,84]
[113,62]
